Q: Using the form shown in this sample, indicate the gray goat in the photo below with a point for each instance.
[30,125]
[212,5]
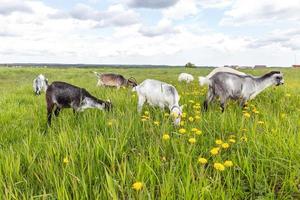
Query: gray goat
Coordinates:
[233,86]
[114,80]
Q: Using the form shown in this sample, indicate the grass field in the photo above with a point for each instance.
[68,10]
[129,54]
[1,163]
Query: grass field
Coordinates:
[98,155]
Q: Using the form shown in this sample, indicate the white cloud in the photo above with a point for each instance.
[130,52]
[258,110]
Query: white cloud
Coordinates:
[154,4]
[9,6]
[257,11]
[163,27]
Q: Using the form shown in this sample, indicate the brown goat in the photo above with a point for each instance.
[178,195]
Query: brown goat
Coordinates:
[114,80]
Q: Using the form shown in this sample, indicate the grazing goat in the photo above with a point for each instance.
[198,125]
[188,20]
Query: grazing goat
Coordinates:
[63,95]
[185,77]
[160,94]
[114,80]
[205,80]
[40,83]
[228,85]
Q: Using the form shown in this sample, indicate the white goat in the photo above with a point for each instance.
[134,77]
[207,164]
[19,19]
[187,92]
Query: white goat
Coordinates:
[185,77]
[205,80]
[160,94]
[233,86]
[40,83]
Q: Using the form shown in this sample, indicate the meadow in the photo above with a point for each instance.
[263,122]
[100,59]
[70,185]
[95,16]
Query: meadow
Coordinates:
[239,154]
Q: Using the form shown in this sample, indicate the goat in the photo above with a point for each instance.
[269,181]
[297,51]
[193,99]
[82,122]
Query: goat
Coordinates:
[185,77]
[64,95]
[228,85]
[114,80]
[40,83]
[160,94]
[205,80]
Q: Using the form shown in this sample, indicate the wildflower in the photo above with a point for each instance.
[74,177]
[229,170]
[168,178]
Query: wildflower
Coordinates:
[215,151]
[228,163]
[191,101]
[244,139]
[219,166]
[194,130]
[156,123]
[231,136]
[219,142]
[182,131]
[247,115]
[137,186]
[183,115]
[110,123]
[66,160]
[182,123]
[197,117]
[260,122]
[202,161]
[288,95]
[174,114]
[225,145]
[191,119]
[256,112]
[166,137]
[283,115]
[231,140]
[164,159]
[192,140]
[146,112]
[199,132]
[133,96]
[167,114]
[143,119]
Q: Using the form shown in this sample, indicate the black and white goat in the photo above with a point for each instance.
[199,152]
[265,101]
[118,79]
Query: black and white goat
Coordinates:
[40,83]
[160,94]
[233,86]
[63,95]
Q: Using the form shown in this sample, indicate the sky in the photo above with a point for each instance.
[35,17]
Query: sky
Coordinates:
[158,32]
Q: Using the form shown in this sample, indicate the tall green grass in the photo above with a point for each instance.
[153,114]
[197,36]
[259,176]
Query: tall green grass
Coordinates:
[99,155]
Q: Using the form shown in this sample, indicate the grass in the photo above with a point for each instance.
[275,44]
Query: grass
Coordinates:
[98,155]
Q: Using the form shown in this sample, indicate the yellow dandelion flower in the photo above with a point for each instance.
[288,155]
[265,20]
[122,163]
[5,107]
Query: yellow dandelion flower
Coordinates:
[219,142]
[247,115]
[231,136]
[191,119]
[183,115]
[110,123]
[191,101]
[146,112]
[194,130]
[199,132]
[283,115]
[143,119]
[182,131]
[215,151]
[231,140]
[197,117]
[66,160]
[167,114]
[244,139]
[174,114]
[256,112]
[228,163]
[133,96]
[219,167]
[156,123]
[166,137]
[202,161]
[137,186]
[225,145]
[182,123]
[192,140]
[288,95]
[260,122]
[164,159]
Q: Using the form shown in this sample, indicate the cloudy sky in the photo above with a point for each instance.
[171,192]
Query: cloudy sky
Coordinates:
[204,32]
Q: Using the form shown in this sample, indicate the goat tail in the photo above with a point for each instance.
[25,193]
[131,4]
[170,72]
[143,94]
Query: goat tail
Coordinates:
[203,81]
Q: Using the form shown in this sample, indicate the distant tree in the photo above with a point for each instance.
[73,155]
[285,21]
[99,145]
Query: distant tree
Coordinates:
[190,65]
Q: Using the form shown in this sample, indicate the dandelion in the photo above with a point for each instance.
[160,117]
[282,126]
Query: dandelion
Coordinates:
[110,123]
[197,117]
[182,131]
[260,122]
[146,112]
[194,130]
[183,115]
[202,161]
[228,163]
[167,114]
[156,123]
[133,96]
[164,159]
[225,145]
[143,119]
[215,151]
[247,115]
[219,166]
[66,160]
[182,123]
[192,140]
[219,142]
[231,140]
[256,112]
[231,136]
[166,137]
[191,101]
[137,186]
[191,119]
[244,139]
[288,95]
[199,132]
